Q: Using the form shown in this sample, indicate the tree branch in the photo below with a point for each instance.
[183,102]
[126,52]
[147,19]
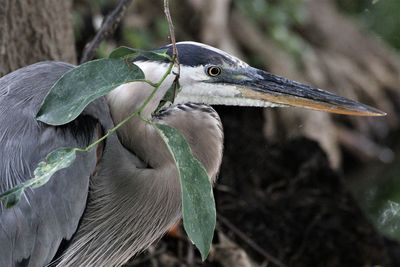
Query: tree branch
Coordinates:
[108,27]
[172,36]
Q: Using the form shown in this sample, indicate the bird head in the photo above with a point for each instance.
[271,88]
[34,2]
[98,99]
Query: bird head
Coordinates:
[211,76]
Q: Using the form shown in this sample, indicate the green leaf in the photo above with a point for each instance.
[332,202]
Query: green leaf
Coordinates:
[78,87]
[54,161]
[11,197]
[169,96]
[198,205]
[127,52]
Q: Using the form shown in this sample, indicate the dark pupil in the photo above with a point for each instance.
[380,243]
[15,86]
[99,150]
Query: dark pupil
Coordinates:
[213,71]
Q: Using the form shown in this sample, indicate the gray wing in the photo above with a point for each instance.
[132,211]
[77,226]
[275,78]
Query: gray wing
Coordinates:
[31,232]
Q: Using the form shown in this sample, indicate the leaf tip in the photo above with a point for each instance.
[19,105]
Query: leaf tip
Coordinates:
[39,117]
[11,197]
[204,255]
[48,120]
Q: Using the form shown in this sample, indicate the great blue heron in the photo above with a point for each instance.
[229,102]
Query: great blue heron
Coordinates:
[115,201]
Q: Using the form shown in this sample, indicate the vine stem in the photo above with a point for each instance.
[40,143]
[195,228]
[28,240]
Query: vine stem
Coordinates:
[174,48]
[172,36]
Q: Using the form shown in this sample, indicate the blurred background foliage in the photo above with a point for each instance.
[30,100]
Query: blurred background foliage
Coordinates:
[276,18]
[347,46]
[378,187]
[377,16]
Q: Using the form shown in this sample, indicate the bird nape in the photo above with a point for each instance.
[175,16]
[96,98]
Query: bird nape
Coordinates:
[110,205]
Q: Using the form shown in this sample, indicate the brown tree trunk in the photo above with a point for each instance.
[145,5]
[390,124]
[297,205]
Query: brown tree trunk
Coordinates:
[35,30]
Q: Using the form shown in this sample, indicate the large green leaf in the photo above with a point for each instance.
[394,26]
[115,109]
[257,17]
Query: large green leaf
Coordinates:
[78,87]
[127,52]
[54,161]
[198,205]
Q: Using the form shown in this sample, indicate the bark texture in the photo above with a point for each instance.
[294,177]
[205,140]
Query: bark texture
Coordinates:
[35,30]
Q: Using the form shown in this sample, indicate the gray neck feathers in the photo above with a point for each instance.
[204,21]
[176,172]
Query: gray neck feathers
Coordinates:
[128,209]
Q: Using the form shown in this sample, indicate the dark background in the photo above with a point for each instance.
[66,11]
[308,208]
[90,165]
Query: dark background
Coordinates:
[296,187]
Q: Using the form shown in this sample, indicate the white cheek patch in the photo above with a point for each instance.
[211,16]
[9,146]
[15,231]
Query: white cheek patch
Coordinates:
[188,75]
[191,75]
[205,89]
[154,70]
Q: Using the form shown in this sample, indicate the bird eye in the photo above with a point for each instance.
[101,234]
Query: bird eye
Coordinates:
[213,71]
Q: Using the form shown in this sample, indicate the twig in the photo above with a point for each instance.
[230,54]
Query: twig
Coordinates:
[108,27]
[173,39]
[249,242]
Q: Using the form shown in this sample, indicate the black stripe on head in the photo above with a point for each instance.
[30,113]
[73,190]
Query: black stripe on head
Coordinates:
[192,54]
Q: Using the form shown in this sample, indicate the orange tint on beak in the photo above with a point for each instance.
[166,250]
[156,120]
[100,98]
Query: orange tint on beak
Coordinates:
[288,100]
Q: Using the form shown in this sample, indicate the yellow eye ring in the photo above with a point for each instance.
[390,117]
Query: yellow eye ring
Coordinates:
[213,71]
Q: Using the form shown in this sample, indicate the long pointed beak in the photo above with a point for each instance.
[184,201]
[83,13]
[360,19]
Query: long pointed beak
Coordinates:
[260,85]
